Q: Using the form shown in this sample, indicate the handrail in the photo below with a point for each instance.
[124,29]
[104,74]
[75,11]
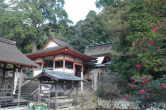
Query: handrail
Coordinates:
[26,82]
[36,90]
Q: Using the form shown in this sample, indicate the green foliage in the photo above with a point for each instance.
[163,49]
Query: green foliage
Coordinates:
[105,3]
[147,90]
[29,22]
[142,50]
[137,30]
[86,32]
[12,27]
[112,86]
[146,44]
[134,42]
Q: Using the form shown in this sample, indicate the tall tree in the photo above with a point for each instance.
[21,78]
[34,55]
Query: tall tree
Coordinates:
[32,20]
[86,32]
[138,40]
[105,3]
[45,15]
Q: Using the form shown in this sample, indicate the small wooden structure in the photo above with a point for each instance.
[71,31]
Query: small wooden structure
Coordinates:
[53,84]
[102,53]
[11,63]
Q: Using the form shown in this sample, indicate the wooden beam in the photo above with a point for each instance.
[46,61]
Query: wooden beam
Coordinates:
[82,77]
[8,68]
[3,76]
[14,70]
[64,63]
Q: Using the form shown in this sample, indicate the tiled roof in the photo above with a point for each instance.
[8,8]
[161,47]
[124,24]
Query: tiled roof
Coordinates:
[98,50]
[61,44]
[46,50]
[59,50]
[58,76]
[60,41]
[10,54]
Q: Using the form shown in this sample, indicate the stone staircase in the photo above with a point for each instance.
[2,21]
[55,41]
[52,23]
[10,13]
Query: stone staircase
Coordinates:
[27,90]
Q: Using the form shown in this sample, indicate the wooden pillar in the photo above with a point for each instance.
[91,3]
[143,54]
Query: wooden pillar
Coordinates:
[96,79]
[55,93]
[42,66]
[76,86]
[19,86]
[14,70]
[15,81]
[3,76]
[39,93]
[64,64]
[92,80]
[82,77]
[54,63]
[74,68]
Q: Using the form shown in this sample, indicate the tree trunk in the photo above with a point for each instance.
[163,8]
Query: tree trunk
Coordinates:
[34,46]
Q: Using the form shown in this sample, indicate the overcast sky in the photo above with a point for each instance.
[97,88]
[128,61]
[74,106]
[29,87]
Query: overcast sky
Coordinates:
[78,9]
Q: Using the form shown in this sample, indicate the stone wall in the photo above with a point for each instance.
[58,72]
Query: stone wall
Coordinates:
[117,104]
[126,105]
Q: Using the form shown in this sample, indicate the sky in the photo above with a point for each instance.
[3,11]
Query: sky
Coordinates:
[78,9]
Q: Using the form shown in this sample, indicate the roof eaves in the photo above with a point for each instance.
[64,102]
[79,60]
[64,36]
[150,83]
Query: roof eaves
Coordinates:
[22,64]
[83,55]
[7,41]
[44,51]
[100,44]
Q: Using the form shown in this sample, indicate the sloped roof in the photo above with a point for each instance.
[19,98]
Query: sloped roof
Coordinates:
[57,51]
[58,76]
[98,50]
[45,51]
[62,48]
[60,41]
[10,54]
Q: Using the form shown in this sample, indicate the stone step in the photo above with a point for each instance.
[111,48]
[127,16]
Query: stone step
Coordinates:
[27,89]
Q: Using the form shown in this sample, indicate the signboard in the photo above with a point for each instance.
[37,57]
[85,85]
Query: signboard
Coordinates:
[45,89]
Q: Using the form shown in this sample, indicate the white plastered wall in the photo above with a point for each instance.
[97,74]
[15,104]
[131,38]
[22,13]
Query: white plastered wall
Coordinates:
[51,44]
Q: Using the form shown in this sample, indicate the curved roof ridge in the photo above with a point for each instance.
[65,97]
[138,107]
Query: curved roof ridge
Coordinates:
[100,44]
[60,41]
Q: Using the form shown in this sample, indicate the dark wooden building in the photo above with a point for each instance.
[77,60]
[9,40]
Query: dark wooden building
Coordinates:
[11,63]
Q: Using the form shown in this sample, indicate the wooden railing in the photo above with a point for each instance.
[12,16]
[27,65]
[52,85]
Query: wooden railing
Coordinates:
[5,92]
[5,96]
